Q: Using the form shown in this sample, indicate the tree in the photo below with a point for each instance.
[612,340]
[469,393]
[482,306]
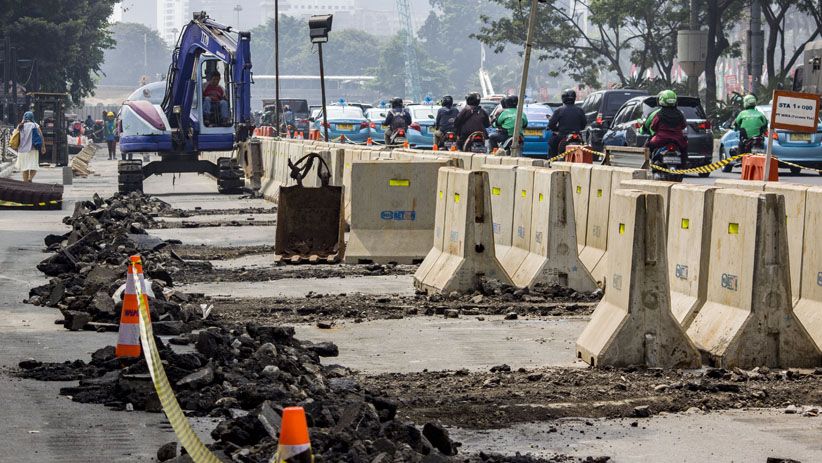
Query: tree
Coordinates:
[719,15]
[138,51]
[66,37]
[390,70]
[776,14]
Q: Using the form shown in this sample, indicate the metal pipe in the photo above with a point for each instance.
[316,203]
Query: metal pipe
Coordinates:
[322,87]
[757,43]
[277,65]
[693,81]
[516,149]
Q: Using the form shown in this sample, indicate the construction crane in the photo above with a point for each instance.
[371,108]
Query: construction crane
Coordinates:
[412,68]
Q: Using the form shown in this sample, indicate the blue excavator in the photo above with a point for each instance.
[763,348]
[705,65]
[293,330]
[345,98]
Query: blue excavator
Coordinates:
[199,112]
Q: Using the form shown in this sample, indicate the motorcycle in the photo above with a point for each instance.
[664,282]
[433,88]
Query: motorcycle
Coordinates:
[398,137]
[573,138]
[753,145]
[668,157]
[449,141]
[476,143]
[506,145]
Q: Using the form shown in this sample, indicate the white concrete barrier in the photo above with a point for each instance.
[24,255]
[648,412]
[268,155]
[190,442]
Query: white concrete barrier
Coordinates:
[748,319]
[467,252]
[478,160]
[795,204]
[581,189]
[552,257]
[392,211]
[523,200]
[652,186]
[809,307]
[633,324]
[596,231]
[689,240]
[502,186]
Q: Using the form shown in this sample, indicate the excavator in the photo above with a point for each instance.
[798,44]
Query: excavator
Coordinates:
[187,123]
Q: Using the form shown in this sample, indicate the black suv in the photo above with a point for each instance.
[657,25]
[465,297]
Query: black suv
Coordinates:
[600,108]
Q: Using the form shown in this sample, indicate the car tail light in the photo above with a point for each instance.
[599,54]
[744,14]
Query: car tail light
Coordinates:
[774,135]
[450,136]
[705,125]
[637,125]
[416,127]
[364,125]
[599,118]
[671,148]
[401,132]
[373,125]
[478,138]
[574,137]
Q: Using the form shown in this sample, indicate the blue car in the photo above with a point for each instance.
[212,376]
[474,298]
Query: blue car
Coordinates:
[344,120]
[801,148]
[537,134]
[421,131]
[376,116]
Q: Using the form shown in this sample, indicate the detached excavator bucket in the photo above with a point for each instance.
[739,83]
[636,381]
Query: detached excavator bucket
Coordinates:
[310,222]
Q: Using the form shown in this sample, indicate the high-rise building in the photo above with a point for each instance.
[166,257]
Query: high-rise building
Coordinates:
[172,15]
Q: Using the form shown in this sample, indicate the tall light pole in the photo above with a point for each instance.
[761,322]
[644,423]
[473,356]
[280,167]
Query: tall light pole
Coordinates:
[516,148]
[319,26]
[238,8]
[277,65]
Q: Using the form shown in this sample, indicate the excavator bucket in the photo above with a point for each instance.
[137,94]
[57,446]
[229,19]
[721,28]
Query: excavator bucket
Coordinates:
[310,222]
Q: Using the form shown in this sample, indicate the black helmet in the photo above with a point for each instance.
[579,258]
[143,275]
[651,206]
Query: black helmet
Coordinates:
[396,102]
[513,101]
[569,96]
[473,99]
[447,101]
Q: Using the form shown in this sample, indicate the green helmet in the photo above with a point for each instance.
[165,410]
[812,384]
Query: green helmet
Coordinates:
[749,101]
[667,98]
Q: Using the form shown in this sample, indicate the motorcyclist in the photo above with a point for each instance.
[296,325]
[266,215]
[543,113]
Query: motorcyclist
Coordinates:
[397,118]
[505,121]
[750,122]
[89,123]
[445,119]
[665,124]
[567,119]
[471,119]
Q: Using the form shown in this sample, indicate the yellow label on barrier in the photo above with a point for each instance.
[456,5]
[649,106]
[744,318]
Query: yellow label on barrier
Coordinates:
[524,193]
[399,183]
[540,197]
[496,191]
[685,224]
[622,229]
[733,228]
[440,194]
[456,197]
[599,193]
[579,189]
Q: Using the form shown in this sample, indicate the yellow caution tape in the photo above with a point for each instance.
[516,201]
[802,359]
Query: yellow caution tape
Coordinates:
[182,428]
[798,166]
[701,169]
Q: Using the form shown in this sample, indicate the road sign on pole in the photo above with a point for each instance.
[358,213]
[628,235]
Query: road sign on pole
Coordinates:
[794,111]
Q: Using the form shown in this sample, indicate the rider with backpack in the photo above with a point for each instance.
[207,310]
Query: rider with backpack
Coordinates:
[398,118]
[471,119]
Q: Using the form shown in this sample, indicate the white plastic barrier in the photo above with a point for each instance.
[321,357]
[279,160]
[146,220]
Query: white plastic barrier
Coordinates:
[633,324]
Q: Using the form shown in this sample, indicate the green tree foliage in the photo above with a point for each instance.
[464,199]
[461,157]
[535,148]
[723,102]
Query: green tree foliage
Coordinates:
[390,71]
[66,37]
[138,51]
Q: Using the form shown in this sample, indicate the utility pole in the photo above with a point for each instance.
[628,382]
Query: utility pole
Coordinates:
[238,8]
[277,66]
[756,43]
[145,54]
[516,149]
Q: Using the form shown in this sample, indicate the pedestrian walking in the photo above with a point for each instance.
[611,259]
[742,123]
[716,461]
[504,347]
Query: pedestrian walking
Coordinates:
[109,132]
[31,142]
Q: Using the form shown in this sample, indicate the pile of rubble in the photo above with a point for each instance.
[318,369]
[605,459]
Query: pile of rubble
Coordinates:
[244,375]
[88,267]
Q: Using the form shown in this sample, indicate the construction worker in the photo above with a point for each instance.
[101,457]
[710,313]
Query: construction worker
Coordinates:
[750,123]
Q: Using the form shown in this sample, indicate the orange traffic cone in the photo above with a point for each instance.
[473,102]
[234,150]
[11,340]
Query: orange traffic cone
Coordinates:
[453,147]
[405,144]
[435,147]
[295,446]
[128,341]
[300,136]
[370,141]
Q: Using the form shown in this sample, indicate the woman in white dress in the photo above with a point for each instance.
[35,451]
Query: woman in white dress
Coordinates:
[31,141]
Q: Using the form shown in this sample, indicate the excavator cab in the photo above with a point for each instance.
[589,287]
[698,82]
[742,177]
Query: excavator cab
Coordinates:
[212,108]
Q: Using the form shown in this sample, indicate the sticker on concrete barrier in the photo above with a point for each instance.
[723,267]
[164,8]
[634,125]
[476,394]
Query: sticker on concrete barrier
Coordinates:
[496,191]
[399,215]
[540,197]
[521,231]
[404,183]
[596,231]
[539,239]
[819,278]
[617,282]
[733,228]
[455,236]
[682,271]
[730,281]
[497,228]
[685,224]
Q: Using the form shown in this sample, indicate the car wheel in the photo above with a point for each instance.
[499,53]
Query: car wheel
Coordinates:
[795,170]
[730,167]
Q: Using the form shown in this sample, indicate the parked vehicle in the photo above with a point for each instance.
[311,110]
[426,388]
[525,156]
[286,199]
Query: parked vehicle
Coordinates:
[799,148]
[344,120]
[534,137]
[600,108]
[625,128]
[421,130]
[299,108]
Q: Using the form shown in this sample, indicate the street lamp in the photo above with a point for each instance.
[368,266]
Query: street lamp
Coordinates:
[238,8]
[277,66]
[319,26]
